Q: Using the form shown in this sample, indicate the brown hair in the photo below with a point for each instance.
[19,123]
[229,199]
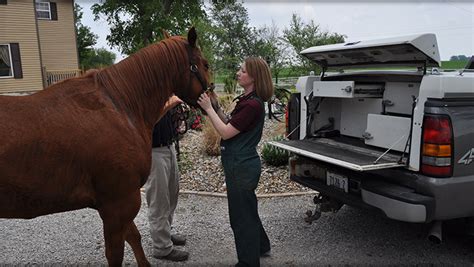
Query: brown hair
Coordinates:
[258,69]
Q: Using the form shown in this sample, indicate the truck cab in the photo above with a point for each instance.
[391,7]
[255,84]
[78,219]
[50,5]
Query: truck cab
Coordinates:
[382,128]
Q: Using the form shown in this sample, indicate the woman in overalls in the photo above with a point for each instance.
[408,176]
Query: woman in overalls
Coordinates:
[240,133]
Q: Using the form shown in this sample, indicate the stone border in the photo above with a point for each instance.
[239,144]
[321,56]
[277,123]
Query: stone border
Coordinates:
[224,195]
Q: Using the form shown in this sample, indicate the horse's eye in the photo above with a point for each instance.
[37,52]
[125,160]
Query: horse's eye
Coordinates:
[206,66]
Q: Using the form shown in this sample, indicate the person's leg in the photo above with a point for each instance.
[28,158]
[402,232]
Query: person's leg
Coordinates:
[243,215]
[264,241]
[158,199]
[173,184]
[177,239]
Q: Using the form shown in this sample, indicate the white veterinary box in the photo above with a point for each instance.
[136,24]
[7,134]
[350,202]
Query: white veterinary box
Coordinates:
[354,114]
[333,89]
[346,89]
[387,131]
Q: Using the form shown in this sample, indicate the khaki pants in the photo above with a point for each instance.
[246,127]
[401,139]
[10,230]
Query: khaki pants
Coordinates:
[162,190]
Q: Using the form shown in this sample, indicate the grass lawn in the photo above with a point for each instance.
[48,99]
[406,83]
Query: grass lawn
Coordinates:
[453,65]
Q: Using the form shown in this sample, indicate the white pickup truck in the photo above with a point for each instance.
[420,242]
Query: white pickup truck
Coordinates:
[392,139]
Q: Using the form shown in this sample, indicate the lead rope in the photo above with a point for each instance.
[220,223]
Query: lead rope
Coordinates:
[180,124]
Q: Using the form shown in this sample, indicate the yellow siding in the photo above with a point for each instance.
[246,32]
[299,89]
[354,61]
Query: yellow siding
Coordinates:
[18,25]
[58,39]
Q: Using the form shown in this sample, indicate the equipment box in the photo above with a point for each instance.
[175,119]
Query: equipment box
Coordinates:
[387,131]
[346,89]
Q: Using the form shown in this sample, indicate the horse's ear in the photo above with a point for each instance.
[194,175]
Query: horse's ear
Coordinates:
[192,37]
[166,35]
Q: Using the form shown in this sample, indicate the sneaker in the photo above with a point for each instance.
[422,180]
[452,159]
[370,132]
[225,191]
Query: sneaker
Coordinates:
[178,240]
[175,255]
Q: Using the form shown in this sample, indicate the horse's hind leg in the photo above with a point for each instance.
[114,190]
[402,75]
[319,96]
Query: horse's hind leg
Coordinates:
[117,216]
[133,238]
[114,232]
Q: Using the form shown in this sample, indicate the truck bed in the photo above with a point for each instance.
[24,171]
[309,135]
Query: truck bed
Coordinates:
[344,152]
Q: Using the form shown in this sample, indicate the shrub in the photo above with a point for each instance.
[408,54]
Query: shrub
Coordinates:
[211,140]
[230,83]
[275,156]
[195,119]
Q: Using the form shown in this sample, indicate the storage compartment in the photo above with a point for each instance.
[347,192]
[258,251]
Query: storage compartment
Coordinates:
[354,115]
[388,132]
[398,97]
[347,89]
[334,109]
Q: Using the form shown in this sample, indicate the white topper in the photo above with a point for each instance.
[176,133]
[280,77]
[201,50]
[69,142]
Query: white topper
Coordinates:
[405,50]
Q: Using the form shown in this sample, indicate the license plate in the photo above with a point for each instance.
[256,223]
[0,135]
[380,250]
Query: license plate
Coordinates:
[338,181]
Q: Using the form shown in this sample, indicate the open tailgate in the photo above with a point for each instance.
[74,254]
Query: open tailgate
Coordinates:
[342,154]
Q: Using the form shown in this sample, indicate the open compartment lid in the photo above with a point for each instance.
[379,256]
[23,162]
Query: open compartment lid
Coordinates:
[412,50]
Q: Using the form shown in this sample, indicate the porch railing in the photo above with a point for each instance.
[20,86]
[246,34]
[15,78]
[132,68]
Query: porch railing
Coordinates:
[56,76]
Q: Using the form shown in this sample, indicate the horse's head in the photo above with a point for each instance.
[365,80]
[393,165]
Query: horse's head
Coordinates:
[198,74]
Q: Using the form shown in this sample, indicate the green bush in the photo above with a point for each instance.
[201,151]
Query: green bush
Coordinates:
[195,119]
[230,83]
[273,155]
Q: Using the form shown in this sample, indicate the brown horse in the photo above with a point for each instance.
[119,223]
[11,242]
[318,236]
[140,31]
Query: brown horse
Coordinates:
[86,142]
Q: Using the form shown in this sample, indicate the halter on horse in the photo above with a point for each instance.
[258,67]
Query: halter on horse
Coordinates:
[86,142]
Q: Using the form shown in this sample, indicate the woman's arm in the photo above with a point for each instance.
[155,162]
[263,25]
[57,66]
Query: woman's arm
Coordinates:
[215,105]
[224,129]
[221,114]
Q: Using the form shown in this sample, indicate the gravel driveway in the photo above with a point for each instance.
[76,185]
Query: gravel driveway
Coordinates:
[350,237]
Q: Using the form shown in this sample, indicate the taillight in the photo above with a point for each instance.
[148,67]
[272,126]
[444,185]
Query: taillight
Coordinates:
[437,146]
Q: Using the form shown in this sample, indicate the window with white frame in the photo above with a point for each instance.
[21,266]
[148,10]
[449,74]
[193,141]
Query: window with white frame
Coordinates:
[43,10]
[6,66]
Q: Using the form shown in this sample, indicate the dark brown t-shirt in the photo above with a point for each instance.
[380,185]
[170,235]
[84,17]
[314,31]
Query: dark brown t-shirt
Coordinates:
[246,113]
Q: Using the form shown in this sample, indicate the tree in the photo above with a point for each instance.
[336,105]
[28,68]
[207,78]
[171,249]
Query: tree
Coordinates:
[459,58]
[231,35]
[300,36]
[86,39]
[137,23]
[269,45]
[98,58]
[231,38]
[206,39]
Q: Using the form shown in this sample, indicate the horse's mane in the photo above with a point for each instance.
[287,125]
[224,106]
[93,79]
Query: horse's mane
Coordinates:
[140,76]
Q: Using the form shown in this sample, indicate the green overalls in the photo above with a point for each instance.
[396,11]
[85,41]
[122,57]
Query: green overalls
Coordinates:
[242,168]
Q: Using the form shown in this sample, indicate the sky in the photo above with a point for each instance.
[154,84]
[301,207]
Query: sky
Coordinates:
[451,20]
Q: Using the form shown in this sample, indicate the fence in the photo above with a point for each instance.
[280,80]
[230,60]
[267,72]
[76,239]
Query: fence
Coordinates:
[286,80]
[56,76]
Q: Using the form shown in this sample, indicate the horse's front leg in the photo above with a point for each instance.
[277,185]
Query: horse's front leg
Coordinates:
[117,216]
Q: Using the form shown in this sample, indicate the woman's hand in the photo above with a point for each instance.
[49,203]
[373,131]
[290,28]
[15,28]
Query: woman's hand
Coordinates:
[205,102]
[225,130]
[172,102]
[214,100]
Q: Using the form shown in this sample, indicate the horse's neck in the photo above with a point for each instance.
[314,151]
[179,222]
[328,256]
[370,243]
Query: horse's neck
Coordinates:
[136,92]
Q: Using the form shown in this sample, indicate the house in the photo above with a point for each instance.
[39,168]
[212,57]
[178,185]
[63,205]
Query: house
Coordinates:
[37,44]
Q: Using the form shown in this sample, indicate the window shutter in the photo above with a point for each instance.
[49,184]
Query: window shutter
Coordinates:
[16,60]
[3,2]
[54,11]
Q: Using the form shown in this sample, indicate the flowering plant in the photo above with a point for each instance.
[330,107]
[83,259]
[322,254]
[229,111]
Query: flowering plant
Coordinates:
[195,119]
